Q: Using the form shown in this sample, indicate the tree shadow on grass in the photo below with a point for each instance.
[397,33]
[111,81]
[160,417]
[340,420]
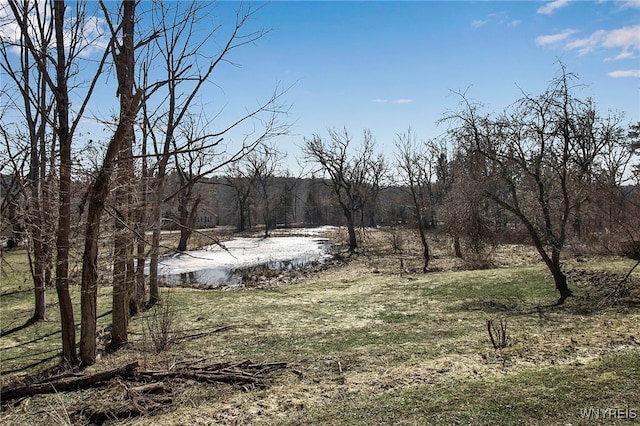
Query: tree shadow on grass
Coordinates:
[32,355]
[492,306]
[56,354]
[29,322]
[15,292]
[36,339]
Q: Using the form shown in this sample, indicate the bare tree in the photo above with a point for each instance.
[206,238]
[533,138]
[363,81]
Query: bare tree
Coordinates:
[58,68]
[122,49]
[537,162]
[349,173]
[376,181]
[263,165]
[464,209]
[612,217]
[236,177]
[188,67]
[35,108]
[287,202]
[411,160]
[192,162]
[123,53]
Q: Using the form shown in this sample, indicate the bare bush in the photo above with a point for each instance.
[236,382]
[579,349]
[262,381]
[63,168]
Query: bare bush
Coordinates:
[160,324]
[498,334]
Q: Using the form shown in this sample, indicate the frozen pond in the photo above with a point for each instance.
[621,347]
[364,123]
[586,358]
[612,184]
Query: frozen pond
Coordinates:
[213,266]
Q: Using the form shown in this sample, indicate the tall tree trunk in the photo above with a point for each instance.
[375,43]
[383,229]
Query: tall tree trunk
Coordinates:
[559,277]
[417,205]
[158,201]
[122,253]
[136,303]
[67,323]
[187,222]
[39,284]
[97,196]
[101,186]
[457,247]
[123,250]
[36,217]
[351,229]
[89,287]
[426,257]
[35,225]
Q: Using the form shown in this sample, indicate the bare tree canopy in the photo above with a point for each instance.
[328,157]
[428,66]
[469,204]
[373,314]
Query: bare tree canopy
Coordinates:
[539,161]
[352,175]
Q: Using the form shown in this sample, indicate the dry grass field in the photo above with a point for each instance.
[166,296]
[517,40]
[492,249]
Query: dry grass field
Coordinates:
[365,342]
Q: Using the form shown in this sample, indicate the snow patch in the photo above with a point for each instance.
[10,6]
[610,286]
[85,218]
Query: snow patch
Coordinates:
[241,253]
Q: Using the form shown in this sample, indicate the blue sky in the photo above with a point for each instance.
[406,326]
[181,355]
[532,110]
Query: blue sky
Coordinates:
[390,65]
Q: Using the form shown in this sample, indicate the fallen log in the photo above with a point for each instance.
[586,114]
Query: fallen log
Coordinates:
[66,384]
[245,373]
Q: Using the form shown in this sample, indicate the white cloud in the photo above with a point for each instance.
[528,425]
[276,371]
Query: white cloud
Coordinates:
[625,73]
[500,18]
[631,4]
[625,54]
[379,101]
[403,101]
[587,44]
[551,7]
[554,38]
[627,39]
[479,22]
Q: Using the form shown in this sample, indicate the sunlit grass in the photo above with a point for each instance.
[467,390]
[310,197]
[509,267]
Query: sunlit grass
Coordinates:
[550,395]
[26,348]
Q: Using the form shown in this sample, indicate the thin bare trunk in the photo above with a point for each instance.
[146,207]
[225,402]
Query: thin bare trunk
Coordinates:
[64,194]
[136,304]
[122,270]
[154,291]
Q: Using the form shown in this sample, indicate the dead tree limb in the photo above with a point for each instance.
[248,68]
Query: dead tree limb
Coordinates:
[244,373]
[67,384]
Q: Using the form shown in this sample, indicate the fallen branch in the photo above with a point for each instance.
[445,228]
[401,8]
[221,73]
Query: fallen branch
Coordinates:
[67,384]
[199,335]
[244,372]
